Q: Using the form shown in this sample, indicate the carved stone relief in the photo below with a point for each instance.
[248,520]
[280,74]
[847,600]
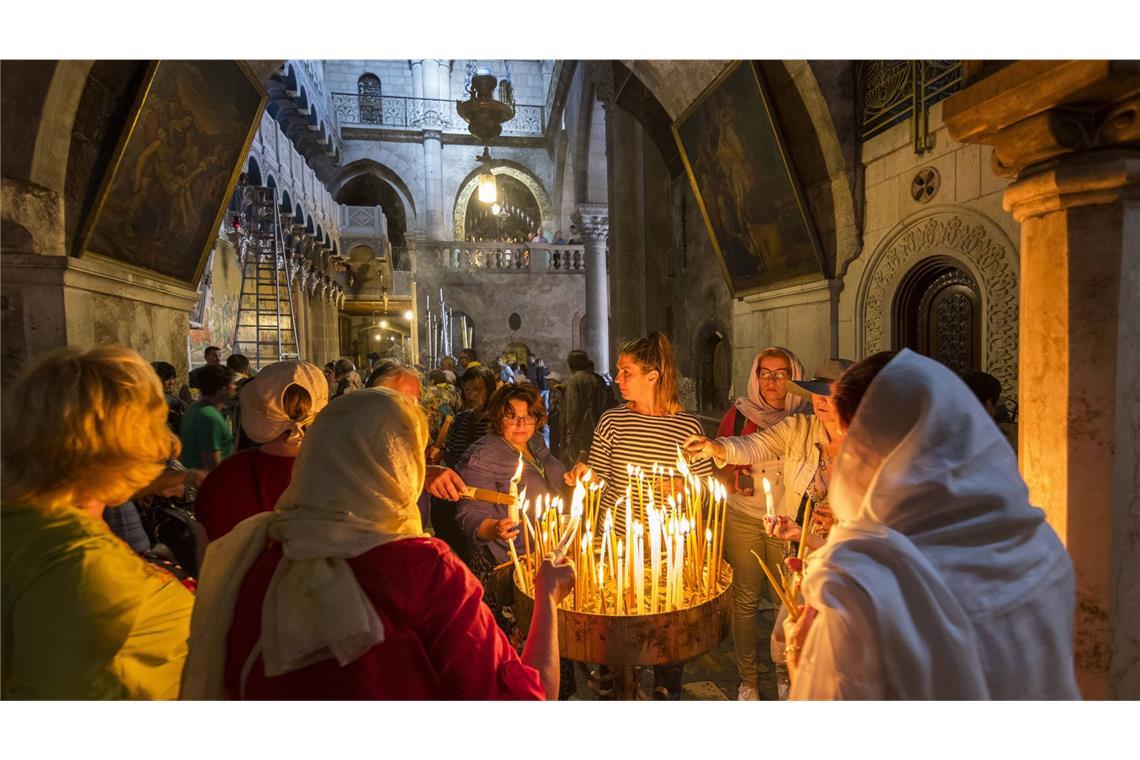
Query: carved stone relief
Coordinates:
[983,249]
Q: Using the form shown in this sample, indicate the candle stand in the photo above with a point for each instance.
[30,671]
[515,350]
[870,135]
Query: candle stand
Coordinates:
[625,641]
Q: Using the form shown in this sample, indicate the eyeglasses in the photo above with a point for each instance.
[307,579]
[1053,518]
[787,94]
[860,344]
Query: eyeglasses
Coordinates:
[779,375]
[520,420]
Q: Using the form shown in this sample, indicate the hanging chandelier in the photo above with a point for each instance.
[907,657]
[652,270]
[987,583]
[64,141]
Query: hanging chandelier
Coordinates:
[483,113]
[485,117]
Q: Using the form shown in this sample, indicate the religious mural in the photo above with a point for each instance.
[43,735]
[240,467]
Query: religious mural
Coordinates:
[180,154]
[748,195]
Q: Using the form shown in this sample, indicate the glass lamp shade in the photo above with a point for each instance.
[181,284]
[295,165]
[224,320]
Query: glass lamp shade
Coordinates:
[488,190]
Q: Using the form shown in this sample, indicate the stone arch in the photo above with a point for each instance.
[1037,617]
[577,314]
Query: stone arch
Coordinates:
[711,345]
[975,243]
[392,170]
[53,139]
[509,169]
[253,171]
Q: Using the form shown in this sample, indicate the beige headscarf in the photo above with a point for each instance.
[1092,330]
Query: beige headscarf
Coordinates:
[354,487]
[756,408]
[263,415]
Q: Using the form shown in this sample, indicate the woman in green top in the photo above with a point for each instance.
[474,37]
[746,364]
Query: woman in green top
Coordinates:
[83,616]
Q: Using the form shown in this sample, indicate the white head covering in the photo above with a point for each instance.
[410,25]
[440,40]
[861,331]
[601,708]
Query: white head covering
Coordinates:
[354,487]
[756,408]
[263,415]
[935,528]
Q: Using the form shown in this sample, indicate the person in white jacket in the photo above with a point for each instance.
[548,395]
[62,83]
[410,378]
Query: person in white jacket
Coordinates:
[940,580]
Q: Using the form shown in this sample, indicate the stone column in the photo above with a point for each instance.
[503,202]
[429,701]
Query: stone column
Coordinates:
[1068,131]
[417,78]
[433,184]
[433,151]
[593,224]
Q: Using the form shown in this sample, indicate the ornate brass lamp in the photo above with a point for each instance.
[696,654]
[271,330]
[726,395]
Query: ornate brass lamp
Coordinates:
[483,113]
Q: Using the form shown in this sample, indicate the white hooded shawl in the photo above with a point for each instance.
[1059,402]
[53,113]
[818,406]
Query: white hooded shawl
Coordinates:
[941,581]
[354,487]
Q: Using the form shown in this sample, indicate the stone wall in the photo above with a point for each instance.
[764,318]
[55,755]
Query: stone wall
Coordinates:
[546,303]
[964,221]
[276,157]
[396,78]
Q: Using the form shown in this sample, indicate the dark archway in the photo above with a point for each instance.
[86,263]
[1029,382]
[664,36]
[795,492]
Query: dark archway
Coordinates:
[512,217]
[937,312]
[370,190]
[714,377]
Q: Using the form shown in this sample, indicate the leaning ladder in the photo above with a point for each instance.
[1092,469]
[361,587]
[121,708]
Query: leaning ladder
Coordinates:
[265,331]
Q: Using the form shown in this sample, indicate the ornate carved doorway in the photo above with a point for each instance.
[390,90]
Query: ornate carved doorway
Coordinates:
[937,312]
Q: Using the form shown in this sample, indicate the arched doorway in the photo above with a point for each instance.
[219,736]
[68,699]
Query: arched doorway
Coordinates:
[513,216]
[937,312]
[715,372]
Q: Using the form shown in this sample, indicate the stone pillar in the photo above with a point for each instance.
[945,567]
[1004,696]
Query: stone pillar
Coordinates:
[1069,132]
[593,224]
[433,150]
[417,79]
[433,184]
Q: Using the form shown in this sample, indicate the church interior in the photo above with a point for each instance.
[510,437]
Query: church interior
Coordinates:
[982,214]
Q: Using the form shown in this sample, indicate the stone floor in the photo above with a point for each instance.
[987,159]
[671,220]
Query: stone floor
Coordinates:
[712,676]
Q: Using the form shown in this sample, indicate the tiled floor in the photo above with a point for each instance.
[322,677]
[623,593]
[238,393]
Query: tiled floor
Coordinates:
[712,675]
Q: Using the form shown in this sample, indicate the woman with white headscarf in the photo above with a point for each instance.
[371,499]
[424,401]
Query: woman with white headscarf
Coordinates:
[768,401]
[940,581]
[339,594]
[278,405]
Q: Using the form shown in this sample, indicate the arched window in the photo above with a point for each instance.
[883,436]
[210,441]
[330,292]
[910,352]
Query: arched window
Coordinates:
[368,87]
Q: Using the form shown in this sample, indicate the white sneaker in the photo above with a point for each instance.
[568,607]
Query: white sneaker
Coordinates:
[747,694]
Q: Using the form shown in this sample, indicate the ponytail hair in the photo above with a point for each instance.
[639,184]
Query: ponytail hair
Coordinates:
[655,352]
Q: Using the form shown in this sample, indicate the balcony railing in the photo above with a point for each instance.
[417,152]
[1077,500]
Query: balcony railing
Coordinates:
[504,258]
[398,112]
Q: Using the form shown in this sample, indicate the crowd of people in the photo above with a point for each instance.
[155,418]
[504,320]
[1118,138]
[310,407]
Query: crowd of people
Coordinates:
[299,533]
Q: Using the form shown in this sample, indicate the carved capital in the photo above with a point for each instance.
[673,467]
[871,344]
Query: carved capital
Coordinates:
[604,85]
[592,221]
[1032,112]
[1089,179]
[433,134]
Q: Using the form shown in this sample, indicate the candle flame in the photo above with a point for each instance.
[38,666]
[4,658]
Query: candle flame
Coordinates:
[518,471]
[708,534]
[681,466]
[767,486]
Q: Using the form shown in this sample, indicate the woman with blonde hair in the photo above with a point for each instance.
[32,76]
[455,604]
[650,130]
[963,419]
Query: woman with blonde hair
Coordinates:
[83,616]
[645,430]
[278,405]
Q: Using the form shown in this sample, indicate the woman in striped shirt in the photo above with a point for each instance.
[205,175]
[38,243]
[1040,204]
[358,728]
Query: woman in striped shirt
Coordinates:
[644,431]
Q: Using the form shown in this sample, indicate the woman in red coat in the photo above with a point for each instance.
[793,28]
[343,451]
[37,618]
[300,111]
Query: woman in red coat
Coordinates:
[339,594]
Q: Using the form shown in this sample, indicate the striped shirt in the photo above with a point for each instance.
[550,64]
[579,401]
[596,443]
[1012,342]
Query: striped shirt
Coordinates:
[625,437]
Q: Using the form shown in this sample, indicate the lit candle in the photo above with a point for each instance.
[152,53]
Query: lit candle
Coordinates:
[639,569]
[668,565]
[708,562]
[654,556]
[602,584]
[769,508]
[620,577]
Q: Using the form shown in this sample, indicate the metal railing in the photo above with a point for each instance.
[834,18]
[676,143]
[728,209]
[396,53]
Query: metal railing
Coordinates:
[504,258]
[890,92]
[399,112]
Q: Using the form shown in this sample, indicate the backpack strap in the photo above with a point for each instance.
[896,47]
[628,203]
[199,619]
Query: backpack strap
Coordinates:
[738,422]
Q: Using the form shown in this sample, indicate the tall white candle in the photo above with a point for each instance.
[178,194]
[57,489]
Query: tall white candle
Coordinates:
[769,508]
[639,569]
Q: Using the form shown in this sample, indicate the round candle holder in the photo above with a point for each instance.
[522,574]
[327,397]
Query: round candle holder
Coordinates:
[626,641]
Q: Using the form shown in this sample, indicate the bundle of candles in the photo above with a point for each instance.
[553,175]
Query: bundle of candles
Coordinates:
[667,558]
[787,587]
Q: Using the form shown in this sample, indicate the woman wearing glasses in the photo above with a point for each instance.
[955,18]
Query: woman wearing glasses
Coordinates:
[516,414]
[767,403]
[807,446]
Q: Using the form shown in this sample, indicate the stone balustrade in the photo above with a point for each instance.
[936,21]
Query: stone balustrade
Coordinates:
[504,257]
